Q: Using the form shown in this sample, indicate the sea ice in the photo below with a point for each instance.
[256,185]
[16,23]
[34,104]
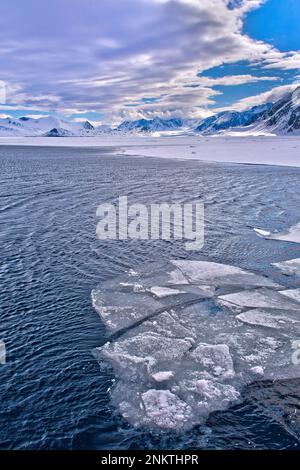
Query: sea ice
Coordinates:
[165,409]
[161,292]
[162,376]
[145,353]
[123,309]
[293,294]
[292,234]
[185,355]
[257,298]
[257,371]
[216,274]
[214,360]
[269,319]
[290,268]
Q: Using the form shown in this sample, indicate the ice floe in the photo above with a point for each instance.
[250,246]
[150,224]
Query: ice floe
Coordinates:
[189,335]
[204,272]
[257,298]
[270,319]
[290,268]
[293,294]
[215,360]
[290,235]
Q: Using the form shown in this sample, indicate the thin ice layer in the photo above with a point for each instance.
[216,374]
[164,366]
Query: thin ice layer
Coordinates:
[257,298]
[271,319]
[204,272]
[120,310]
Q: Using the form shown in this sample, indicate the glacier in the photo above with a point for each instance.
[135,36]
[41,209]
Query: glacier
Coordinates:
[186,337]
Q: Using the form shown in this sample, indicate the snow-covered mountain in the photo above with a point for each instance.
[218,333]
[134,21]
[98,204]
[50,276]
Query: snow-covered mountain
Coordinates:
[231,119]
[281,117]
[26,126]
[58,132]
[151,125]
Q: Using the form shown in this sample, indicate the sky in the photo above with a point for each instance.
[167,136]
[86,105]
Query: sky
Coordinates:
[114,60]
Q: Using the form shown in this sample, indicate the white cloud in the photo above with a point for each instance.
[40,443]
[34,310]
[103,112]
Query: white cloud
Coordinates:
[105,55]
[268,97]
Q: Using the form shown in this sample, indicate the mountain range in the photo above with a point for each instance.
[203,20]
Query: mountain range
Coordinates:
[281,117]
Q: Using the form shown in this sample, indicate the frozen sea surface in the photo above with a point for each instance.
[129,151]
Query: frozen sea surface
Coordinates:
[188,359]
[53,393]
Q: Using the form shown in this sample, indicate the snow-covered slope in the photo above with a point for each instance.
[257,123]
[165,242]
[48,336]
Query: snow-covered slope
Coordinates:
[151,125]
[26,126]
[284,116]
[231,119]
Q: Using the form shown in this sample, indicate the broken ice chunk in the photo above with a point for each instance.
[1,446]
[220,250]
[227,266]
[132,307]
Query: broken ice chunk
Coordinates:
[267,319]
[214,360]
[257,298]
[293,294]
[206,395]
[290,268]
[215,394]
[165,409]
[258,370]
[162,376]
[137,355]
[166,324]
[292,234]
[216,274]
[119,310]
[176,277]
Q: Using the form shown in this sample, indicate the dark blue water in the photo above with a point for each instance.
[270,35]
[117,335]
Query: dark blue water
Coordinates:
[53,394]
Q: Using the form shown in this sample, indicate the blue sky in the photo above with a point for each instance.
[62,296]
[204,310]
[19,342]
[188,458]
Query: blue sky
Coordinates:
[110,60]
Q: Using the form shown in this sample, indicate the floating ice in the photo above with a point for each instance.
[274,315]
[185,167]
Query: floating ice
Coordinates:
[290,235]
[162,376]
[190,335]
[290,268]
[144,353]
[257,298]
[215,360]
[293,294]
[165,409]
[123,309]
[269,319]
[257,371]
[204,272]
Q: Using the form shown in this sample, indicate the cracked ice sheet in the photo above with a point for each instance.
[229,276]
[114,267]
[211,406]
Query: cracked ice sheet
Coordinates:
[120,310]
[257,298]
[205,272]
[293,294]
[195,358]
[290,268]
[272,319]
[292,234]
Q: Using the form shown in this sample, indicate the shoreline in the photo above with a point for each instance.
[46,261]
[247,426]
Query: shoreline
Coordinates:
[270,151]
